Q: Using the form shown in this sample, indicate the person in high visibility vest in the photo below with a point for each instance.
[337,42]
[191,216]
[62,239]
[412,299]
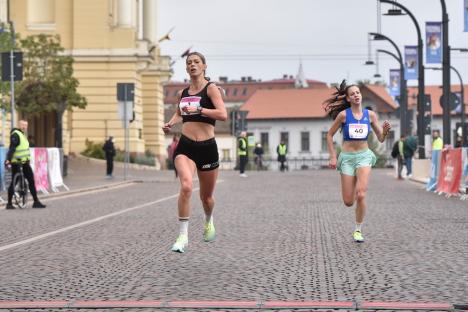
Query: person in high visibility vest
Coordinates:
[356,159]
[282,150]
[242,152]
[437,143]
[18,155]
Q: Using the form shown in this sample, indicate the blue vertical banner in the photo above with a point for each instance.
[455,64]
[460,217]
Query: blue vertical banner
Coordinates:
[411,62]
[3,152]
[435,164]
[434,42]
[394,84]
[465,12]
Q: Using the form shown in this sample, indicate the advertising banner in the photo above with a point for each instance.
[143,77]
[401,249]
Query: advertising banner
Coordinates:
[450,171]
[465,12]
[434,42]
[432,183]
[411,62]
[394,85]
[40,167]
[55,174]
[3,152]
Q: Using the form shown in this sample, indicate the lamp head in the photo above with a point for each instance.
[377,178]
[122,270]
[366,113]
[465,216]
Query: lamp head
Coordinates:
[394,12]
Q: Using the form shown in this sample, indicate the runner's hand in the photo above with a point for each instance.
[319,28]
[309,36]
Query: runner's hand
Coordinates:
[167,127]
[386,126]
[332,163]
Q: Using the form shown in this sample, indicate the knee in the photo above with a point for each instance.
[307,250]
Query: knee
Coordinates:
[207,200]
[186,188]
[348,202]
[360,194]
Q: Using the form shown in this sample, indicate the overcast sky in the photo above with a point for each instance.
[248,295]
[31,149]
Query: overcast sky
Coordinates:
[267,38]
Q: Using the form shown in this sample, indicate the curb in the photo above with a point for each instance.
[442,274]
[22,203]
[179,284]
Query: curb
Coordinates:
[89,189]
[118,164]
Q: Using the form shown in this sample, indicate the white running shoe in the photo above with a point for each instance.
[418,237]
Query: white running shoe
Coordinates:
[181,243]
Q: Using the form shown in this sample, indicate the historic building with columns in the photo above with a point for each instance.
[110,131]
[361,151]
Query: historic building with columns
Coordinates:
[111,41]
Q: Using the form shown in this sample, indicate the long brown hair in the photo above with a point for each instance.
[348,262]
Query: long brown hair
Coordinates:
[338,102]
[203,59]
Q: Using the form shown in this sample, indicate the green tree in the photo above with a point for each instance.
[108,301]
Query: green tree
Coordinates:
[48,83]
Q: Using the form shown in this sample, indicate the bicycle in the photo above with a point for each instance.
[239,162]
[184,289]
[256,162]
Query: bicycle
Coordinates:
[20,188]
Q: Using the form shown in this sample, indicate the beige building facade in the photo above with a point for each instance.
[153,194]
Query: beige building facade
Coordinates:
[111,41]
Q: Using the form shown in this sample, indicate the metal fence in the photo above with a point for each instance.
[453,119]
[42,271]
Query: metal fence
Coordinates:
[297,163]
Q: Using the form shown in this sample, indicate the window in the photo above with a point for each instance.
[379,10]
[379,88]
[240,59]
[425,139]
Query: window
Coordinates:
[226,91]
[244,91]
[234,93]
[305,141]
[264,140]
[41,12]
[284,137]
[324,141]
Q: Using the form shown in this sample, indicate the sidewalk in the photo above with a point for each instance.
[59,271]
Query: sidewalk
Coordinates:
[86,174]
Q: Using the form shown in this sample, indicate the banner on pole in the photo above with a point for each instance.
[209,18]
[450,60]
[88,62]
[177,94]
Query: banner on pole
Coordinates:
[465,11]
[435,160]
[394,85]
[40,167]
[411,62]
[450,171]
[434,42]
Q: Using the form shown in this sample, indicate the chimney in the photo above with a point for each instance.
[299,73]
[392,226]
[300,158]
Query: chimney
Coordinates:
[249,78]
[285,76]
[223,79]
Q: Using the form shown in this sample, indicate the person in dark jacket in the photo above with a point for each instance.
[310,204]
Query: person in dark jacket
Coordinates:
[18,155]
[109,149]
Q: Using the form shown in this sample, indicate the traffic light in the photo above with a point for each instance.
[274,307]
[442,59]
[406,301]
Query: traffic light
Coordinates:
[17,66]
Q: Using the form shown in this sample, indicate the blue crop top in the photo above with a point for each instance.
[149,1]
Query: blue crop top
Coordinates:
[356,130]
[200,99]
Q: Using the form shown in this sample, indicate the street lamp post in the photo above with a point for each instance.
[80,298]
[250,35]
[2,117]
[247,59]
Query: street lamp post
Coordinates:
[403,88]
[421,150]
[462,95]
[403,93]
[445,75]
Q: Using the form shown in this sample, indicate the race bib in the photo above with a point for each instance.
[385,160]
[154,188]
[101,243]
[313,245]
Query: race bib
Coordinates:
[193,101]
[358,131]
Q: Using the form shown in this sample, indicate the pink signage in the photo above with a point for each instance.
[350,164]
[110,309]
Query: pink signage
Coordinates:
[40,169]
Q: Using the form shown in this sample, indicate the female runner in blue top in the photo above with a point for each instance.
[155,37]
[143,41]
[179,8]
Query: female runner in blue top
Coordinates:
[200,105]
[356,159]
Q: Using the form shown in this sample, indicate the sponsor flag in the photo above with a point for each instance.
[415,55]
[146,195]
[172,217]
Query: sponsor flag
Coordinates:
[434,42]
[411,62]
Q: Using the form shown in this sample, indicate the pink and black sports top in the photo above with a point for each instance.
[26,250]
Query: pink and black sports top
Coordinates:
[200,99]
[356,130]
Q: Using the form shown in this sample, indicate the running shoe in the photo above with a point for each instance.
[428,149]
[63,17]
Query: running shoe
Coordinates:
[180,244]
[358,238]
[209,232]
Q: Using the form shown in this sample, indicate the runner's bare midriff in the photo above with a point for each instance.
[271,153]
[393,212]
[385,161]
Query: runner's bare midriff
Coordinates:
[198,131]
[354,146]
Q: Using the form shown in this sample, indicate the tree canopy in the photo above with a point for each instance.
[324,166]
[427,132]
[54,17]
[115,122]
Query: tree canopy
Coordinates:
[48,83]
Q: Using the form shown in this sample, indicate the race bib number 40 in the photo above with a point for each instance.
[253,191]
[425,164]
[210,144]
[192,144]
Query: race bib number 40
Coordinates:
[358,131]
[193,101]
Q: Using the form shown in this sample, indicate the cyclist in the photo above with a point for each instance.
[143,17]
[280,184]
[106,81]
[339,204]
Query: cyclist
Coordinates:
[18,155]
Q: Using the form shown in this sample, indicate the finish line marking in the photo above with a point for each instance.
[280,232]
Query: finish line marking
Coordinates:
[274,305]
